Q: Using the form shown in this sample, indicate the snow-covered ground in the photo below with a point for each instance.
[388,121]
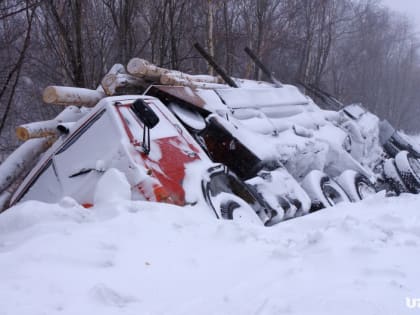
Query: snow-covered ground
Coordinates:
[132,257]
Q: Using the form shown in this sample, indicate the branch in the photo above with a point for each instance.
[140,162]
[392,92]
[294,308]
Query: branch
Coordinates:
[17,68]
[27,7]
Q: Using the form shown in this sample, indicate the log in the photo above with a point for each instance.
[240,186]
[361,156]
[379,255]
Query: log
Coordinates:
[22,159]
[142,68]
[39,129]
[70,114]
[116,69]
[169,79]
[64,95]
[173,77]
[48,127]
[4,200]
[115,83]
[206,78]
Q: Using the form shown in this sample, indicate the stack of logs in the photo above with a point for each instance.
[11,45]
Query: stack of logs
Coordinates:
[38,137]
[138,75]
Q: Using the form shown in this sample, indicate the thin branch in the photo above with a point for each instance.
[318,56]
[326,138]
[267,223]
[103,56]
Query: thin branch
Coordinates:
[27,7]
[16,70]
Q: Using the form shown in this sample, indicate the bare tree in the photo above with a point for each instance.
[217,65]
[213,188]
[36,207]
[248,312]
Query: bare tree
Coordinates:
[355,49]
[9,85]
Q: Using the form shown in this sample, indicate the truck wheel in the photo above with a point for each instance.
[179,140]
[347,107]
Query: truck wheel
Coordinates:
[356,185]
[393,177]
[232,209]
[323,191]
[409,169]
[229,197]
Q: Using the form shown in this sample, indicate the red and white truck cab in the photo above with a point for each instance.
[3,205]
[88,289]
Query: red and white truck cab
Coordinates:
[139,136]
[112,135]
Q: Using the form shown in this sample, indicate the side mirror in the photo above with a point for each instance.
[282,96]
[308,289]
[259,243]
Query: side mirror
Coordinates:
[146,115]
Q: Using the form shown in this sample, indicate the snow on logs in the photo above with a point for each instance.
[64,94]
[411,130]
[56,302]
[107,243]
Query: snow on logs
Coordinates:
[39,136]
[143,69]
[193,81]
[112,83]
[47,128]
[21,160]
[117,80]
[4,199]
[65,95]
[37,129]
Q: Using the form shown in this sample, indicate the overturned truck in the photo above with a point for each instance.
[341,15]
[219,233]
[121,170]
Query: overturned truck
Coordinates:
[253,150]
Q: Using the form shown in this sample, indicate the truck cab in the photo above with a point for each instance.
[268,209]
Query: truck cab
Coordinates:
[162,162]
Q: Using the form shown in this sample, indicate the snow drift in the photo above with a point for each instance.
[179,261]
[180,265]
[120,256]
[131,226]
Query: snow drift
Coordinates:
[135,257]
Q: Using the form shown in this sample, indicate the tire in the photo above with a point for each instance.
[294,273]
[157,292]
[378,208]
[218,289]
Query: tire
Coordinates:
[227,209]
[323,191]
[286,210]
[356,185]
[408,168]
[229,197]
[393,177]
[234,209]
[231,207]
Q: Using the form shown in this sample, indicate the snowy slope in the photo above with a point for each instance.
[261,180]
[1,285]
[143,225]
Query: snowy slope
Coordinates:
[126,257]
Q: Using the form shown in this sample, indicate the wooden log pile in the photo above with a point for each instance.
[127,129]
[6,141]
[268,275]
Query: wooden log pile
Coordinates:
[143,69]
[139,75]
[66,95]
[48,128]
[114,84]
[19,161]
[38,137]
[70,96]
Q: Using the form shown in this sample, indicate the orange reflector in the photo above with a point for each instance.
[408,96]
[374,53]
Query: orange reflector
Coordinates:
[160,193]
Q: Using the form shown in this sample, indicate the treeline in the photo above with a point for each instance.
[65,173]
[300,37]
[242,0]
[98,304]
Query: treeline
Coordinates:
[357,50]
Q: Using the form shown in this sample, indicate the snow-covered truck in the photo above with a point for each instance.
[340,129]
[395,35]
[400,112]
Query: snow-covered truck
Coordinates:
[277,154]
[141,138]
[350,149]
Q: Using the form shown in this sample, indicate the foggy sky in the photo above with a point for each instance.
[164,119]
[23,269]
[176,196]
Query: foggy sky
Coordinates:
[411,8]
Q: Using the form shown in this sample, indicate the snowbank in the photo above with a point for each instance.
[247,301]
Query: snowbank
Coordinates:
[125,257]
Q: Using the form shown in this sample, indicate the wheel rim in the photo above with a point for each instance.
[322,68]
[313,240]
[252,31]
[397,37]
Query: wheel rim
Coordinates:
[223,188]
[332,195]
[244,214]
[236,209]
[365,190]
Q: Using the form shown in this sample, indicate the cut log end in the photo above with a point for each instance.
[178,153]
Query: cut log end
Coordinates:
[137,66]
[65,95]
[22,133]
[109,79]
[49,95]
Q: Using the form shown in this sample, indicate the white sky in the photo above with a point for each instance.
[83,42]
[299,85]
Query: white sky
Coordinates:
[409,7]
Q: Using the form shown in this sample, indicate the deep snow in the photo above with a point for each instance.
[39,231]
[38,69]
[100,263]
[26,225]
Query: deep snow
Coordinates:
[134,257]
